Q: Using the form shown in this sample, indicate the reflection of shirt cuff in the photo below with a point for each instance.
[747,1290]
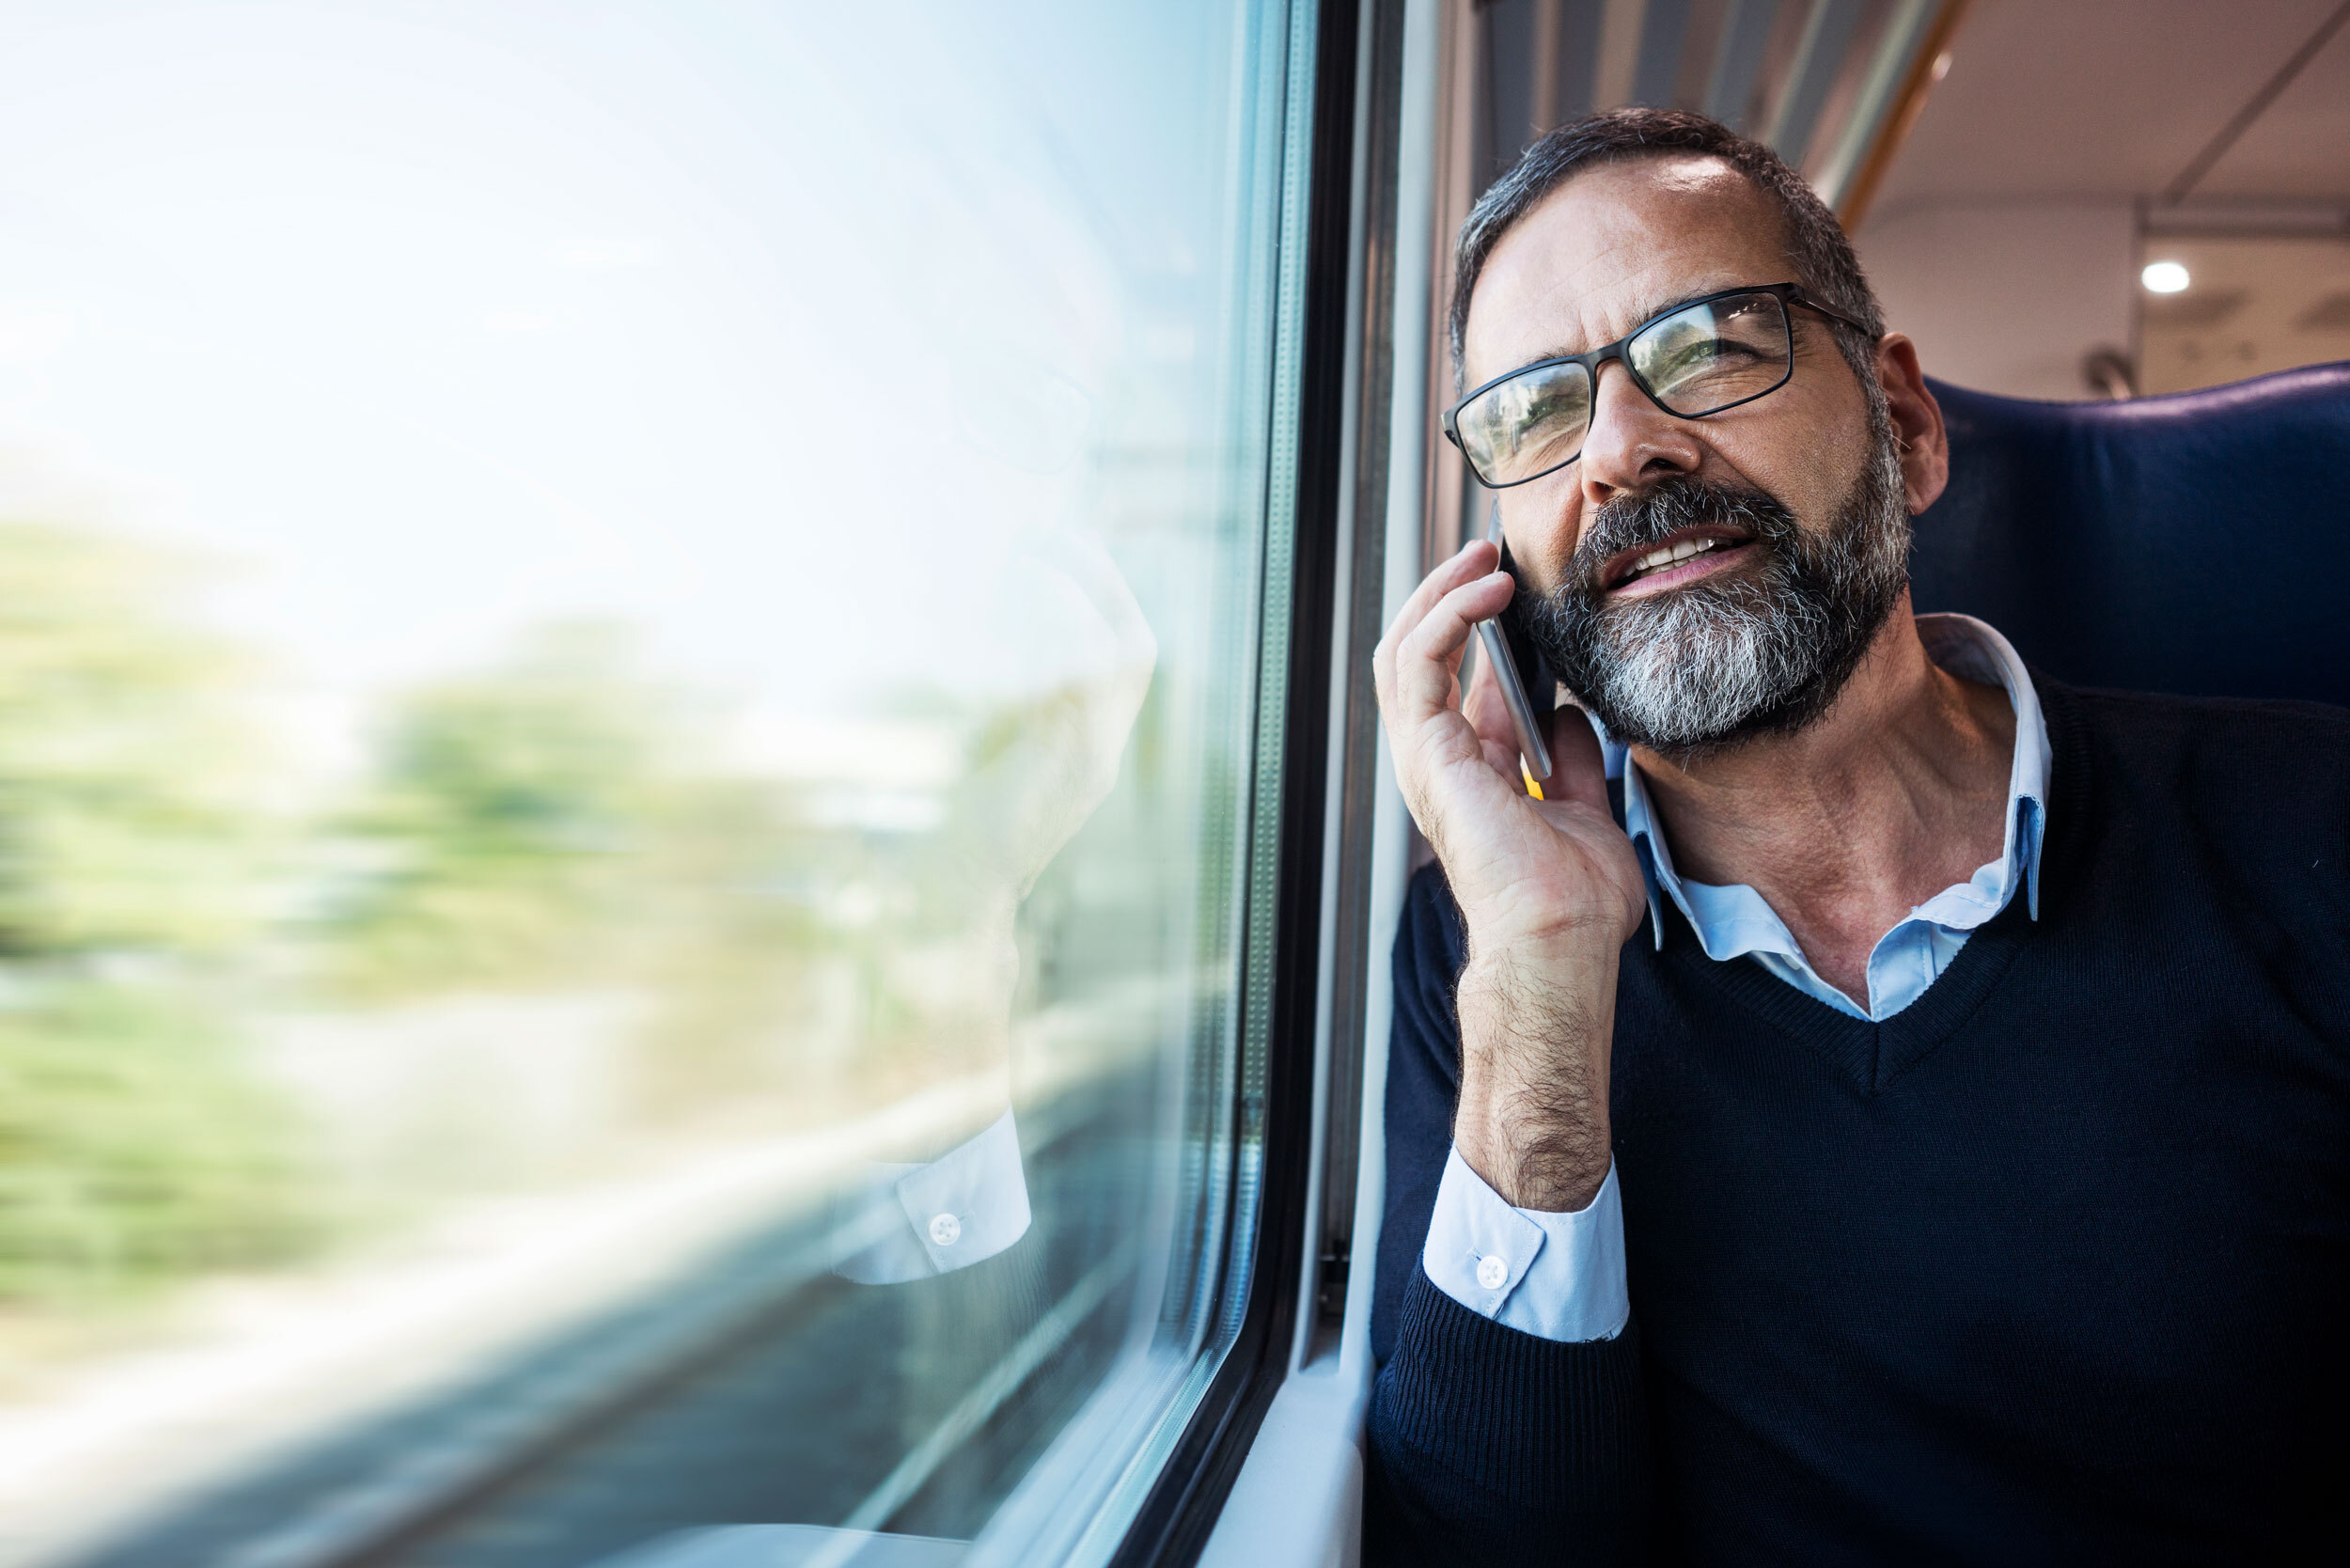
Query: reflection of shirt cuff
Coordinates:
[1557,1276]
[906,1222]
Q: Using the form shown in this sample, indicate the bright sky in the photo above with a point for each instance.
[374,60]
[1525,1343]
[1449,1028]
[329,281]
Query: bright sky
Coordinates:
[772,330]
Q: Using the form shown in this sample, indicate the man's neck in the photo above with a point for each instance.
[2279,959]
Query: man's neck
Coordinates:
[1896,793]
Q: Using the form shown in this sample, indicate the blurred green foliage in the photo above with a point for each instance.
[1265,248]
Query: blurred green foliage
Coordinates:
[559,820]
[135,843]
[129,782]
[503,837]
[556,822]
[136,1149]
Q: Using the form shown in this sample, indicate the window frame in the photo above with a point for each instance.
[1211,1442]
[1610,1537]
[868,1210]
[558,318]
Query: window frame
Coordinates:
[1283,994]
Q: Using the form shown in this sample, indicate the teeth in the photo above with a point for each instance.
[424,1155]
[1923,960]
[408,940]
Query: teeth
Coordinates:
[1667,555]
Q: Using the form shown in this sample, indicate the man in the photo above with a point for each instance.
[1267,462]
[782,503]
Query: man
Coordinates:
[1885,1105]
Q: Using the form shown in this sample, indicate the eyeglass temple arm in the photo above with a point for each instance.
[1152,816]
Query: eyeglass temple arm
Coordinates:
[1799,297]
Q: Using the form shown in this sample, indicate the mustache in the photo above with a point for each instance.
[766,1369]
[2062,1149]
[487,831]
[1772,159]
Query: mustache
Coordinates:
[1738,654]
[1674,503]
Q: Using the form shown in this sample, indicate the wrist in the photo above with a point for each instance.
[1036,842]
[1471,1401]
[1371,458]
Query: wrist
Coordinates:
[1576,938]
[1537,1027]
[1554,1166]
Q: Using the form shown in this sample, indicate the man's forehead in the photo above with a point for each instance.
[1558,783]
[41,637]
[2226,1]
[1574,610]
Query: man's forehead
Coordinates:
[1611,247]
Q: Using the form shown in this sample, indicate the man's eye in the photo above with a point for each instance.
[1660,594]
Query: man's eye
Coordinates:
[1702,353]
[1528,410]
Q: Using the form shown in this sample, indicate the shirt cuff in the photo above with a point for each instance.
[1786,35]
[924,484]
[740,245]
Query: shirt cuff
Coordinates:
[902,1222]
[1554,1276]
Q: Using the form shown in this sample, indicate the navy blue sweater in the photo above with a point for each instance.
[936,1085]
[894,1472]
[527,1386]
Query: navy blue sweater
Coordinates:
[2051,1266]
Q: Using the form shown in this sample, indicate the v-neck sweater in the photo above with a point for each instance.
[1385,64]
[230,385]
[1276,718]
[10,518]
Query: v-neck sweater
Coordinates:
[2053,1265]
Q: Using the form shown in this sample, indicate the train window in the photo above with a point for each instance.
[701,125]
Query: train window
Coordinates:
[633,793]
[2216,308]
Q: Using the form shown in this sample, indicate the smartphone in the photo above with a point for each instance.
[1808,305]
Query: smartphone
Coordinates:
[1528,723]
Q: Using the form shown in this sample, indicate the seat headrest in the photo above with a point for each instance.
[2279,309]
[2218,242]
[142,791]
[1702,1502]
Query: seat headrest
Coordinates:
[2198,542]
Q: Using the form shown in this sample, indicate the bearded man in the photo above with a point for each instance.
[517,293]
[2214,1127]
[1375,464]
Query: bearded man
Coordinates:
[1883,1105]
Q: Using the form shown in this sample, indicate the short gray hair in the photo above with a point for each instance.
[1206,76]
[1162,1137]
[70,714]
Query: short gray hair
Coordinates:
[1817,249]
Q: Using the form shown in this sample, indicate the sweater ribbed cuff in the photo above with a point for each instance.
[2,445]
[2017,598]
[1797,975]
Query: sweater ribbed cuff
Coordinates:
[1533,1424]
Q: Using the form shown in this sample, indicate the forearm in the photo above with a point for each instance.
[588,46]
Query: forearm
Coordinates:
[1486,1444]
[1537,1022]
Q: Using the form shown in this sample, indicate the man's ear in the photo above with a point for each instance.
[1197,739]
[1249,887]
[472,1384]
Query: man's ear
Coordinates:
[1925,446]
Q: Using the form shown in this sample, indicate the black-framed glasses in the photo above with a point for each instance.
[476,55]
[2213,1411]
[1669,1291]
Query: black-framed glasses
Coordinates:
[1696,359]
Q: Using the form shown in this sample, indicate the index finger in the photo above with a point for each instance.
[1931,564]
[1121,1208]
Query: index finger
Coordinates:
[1422,678]
[1467,564]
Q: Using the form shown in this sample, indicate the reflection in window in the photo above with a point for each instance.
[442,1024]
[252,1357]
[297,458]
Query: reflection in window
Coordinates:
[628,711]
[2234,308]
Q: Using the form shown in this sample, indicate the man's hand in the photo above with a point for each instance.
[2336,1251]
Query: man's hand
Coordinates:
[1550,891]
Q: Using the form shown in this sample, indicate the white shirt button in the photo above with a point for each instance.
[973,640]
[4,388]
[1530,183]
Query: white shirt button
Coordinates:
[1492,1273]
[945,1229]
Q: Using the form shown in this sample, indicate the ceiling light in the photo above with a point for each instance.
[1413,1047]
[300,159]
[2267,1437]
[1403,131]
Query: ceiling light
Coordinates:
[2164,278]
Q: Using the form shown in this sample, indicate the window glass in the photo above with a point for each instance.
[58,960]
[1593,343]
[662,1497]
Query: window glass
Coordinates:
[630,768]
[2215,309]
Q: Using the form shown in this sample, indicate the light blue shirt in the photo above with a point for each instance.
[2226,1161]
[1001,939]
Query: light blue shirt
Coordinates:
[1561,1276]
[898,1222]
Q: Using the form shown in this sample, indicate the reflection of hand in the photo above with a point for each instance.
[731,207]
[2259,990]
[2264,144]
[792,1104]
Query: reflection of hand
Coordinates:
[1047,762]
[1042,763]
[1549,891]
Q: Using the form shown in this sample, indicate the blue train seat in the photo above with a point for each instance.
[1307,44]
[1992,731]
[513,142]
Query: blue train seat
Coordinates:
[2198,542]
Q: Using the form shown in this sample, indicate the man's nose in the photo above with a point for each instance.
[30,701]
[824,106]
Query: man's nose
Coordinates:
[1632,443]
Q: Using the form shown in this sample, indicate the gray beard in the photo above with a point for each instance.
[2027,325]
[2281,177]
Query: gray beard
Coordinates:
[1695,670]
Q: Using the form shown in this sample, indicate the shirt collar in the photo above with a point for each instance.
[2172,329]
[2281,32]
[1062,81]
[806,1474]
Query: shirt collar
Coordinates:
[1735,919]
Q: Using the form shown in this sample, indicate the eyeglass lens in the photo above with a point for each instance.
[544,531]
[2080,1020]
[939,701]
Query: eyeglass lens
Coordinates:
[1695,361]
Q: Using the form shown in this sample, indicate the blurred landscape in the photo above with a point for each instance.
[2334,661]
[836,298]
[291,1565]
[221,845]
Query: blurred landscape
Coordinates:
[604,618]
[551,922]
